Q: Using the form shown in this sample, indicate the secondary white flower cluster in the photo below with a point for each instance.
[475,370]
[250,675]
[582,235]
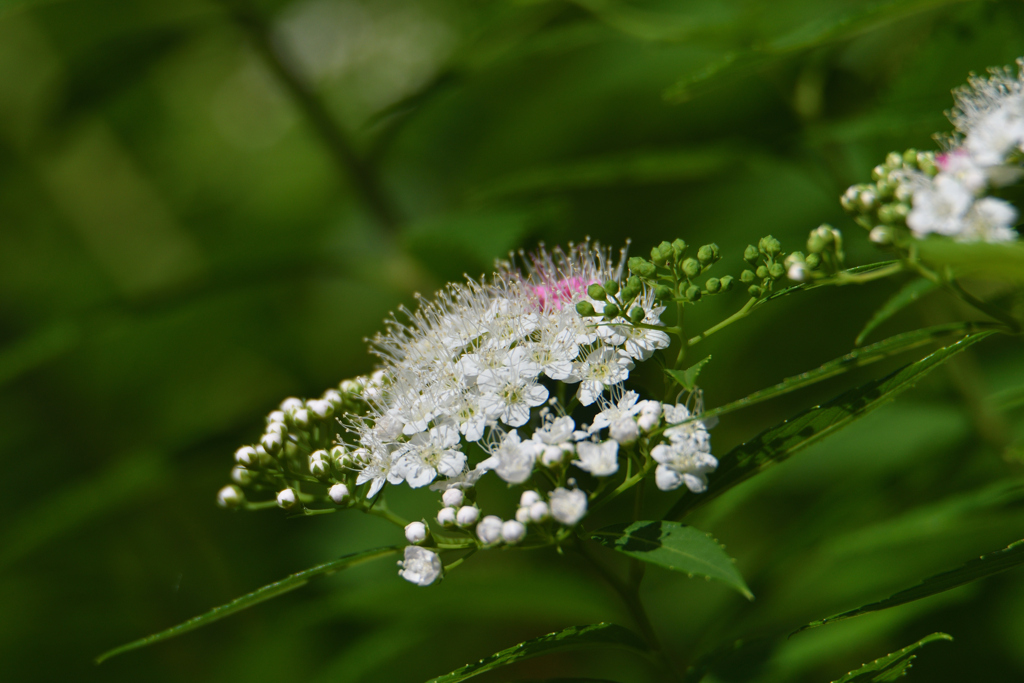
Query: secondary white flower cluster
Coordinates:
[472,365]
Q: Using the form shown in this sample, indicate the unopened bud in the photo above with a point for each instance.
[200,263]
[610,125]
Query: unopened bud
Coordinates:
[713,285]
[727,283]
[706,254]
[291,404]
[489,529]
[797,272]
[416,532]
[230,497]
[340,457]
[596,292]
[664,293]
[338,493]
[271,442]
[446,516]
[512,531]
[754,291]
[751,254]
[275,416]
[523,515]
[910,157]
[641,267]
[636,314]
[747,276]
[880,235]
[586,309]
[894,160]
[813,261]
[334,397]
[776,271]
[679,248]
[611,287]
[287,499]
[467,515]
[241,475]
[611,310]
[661,253]
[693,293]
[246,457]
[319,408]
[770,245]
[452,497]
[539,511]
[301,418]
[762,272]
[691,267]
[632,289]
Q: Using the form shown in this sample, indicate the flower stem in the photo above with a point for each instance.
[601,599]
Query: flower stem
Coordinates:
[738,315]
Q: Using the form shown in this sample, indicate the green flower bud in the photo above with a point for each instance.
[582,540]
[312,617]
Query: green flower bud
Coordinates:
[776,271]
[910,157]
[641,267]
[813,261]
[596,292]
[879,172]
[705,254]
[754,291]
[679,248]
[664,293]
[751,254]
[713,285]
[815,243]
[762,272]
[637,314]
[611,287]
[661,253]
[691,268]
[632,289]
[887,214]
[747,276]
[894,160]
[770,245]
[727,283]
[693,293]
[586,309]
[611,311]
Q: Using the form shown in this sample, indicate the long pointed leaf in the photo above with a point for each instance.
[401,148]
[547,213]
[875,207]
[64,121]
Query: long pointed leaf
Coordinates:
[855,359]
[779,443]
[999,561]
[891,666]
[908,294]
[674,546]
[271,590]
[572,638]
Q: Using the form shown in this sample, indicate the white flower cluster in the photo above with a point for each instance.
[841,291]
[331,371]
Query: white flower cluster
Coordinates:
[472,365]
[985,153]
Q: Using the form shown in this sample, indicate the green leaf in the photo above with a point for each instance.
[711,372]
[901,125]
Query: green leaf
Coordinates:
[899,343]
[782,441]
[1003,261]
[37,349]
[891,666]
[688,378]
[572,638]
[999,561]
[267,592]
[911,292]
[674,546]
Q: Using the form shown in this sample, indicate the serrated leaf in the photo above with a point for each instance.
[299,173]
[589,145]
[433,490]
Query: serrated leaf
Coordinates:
[779,443]
[886,348]
[984,566]
[572,638]
[674,546]
[908,294]
[259,595]
[687,378]
[892,666]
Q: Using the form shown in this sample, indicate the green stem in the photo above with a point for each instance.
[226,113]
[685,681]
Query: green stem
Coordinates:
[381,510]
[738,315]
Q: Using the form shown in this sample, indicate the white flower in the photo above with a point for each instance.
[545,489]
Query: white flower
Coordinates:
[512,532]
[416,532]
[452,497]
[513,459]
[797,271]
[528,498]
[338,493]
[625,431]
[420,566]
[489,529]
[376,467]
[509,393]
[539,511]
[601,460]
[568,506]
[650,415]
[602,367]
[523,515]
[555,431]
[467,515]
[429,453]
[286,498]
[939,207]
[625,406]
[641,343]
[989,220]
[687,458]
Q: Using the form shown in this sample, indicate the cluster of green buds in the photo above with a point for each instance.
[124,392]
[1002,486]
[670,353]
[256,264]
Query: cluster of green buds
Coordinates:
[614,300]
[301,446]
[766,266]
[882,206]
[824,256]
[674,276]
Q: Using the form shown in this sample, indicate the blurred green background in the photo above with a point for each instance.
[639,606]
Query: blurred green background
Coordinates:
[206,206]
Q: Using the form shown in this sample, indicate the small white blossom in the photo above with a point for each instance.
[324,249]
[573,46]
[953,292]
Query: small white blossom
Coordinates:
[416,532]
[512,532]
[420,566]
[601,460]
[539,511]
[601,368]
[338,493]
[230,496]
[287,498]
[568,506]
[687,458]
[650,415]
[489,529]
[523,515]
[513,459]
[429,453]
[467,515]
[989,220]
[797,271]
[625,431]
[246,456]
[528,498]
[939,207]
